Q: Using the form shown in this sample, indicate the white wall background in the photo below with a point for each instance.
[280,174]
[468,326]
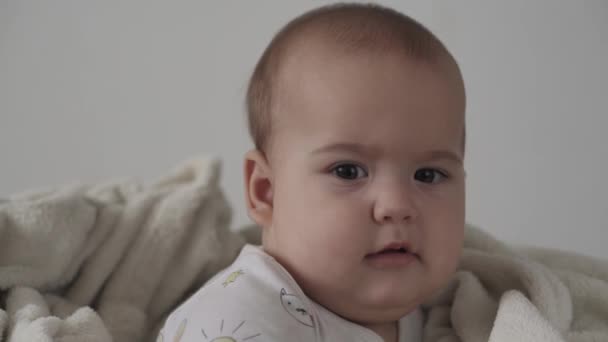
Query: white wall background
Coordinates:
[91,90]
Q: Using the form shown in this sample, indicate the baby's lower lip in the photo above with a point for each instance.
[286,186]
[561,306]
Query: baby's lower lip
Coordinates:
[391,260]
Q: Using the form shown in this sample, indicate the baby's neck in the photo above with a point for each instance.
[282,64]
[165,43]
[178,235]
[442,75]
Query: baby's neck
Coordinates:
[388,331]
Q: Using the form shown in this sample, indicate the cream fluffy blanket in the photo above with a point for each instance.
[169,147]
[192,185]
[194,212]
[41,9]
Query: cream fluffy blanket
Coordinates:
[506,293]
[108,262]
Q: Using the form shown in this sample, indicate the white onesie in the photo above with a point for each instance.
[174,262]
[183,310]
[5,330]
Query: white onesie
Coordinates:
[256,300]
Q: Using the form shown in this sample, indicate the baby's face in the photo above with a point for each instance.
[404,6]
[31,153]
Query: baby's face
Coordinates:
[367,153]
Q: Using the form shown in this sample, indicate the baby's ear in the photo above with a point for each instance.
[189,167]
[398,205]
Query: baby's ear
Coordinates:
[258,188]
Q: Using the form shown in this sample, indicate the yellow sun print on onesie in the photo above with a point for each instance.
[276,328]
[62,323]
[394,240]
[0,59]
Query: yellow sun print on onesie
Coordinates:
[232,337]
[232,277]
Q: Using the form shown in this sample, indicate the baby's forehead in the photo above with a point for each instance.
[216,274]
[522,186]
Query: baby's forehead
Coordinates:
[304,74]
[305,47]
[308,75]
[319,49]
[312,53]
[339,109]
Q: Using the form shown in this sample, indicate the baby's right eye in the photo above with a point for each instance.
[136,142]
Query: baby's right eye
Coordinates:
[349,171]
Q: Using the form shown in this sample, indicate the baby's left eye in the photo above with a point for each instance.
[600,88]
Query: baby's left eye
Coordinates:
[428,175]
[348,171]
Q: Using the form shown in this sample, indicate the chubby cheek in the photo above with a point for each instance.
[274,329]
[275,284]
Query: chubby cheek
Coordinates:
[323,224]
[442,232]
[447,238]
[451,257]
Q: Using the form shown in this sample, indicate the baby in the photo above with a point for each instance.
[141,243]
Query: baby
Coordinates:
[357,113]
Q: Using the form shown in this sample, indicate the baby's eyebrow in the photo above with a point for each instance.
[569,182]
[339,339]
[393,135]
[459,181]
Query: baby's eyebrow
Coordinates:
[444,154]
[448,155]
[343,146]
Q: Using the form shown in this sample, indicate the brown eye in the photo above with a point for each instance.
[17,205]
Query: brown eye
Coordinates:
[349,171]
[428,175]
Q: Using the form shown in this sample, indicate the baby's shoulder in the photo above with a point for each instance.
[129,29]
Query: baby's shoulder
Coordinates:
[254,299]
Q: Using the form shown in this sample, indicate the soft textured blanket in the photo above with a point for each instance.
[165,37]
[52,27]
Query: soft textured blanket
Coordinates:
[507,293]
[108,262]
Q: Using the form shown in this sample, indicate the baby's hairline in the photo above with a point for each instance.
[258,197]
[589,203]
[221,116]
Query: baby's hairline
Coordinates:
[335,29]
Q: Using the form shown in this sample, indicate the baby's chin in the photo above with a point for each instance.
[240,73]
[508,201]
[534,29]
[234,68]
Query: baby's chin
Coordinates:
[380,298]
[377,315]
[364,311]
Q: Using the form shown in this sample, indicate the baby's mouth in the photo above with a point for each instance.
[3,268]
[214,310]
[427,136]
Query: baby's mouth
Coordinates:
[396,254]
[399,247]
[387,251]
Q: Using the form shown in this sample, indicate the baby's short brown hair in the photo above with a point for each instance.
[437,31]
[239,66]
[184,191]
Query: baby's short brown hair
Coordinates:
[350,27]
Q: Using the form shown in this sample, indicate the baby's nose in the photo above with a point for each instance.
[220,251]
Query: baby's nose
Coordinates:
[396,206]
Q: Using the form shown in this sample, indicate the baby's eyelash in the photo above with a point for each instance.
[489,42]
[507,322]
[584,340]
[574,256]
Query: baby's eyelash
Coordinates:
[351,171]
[348,171]
[419,176]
